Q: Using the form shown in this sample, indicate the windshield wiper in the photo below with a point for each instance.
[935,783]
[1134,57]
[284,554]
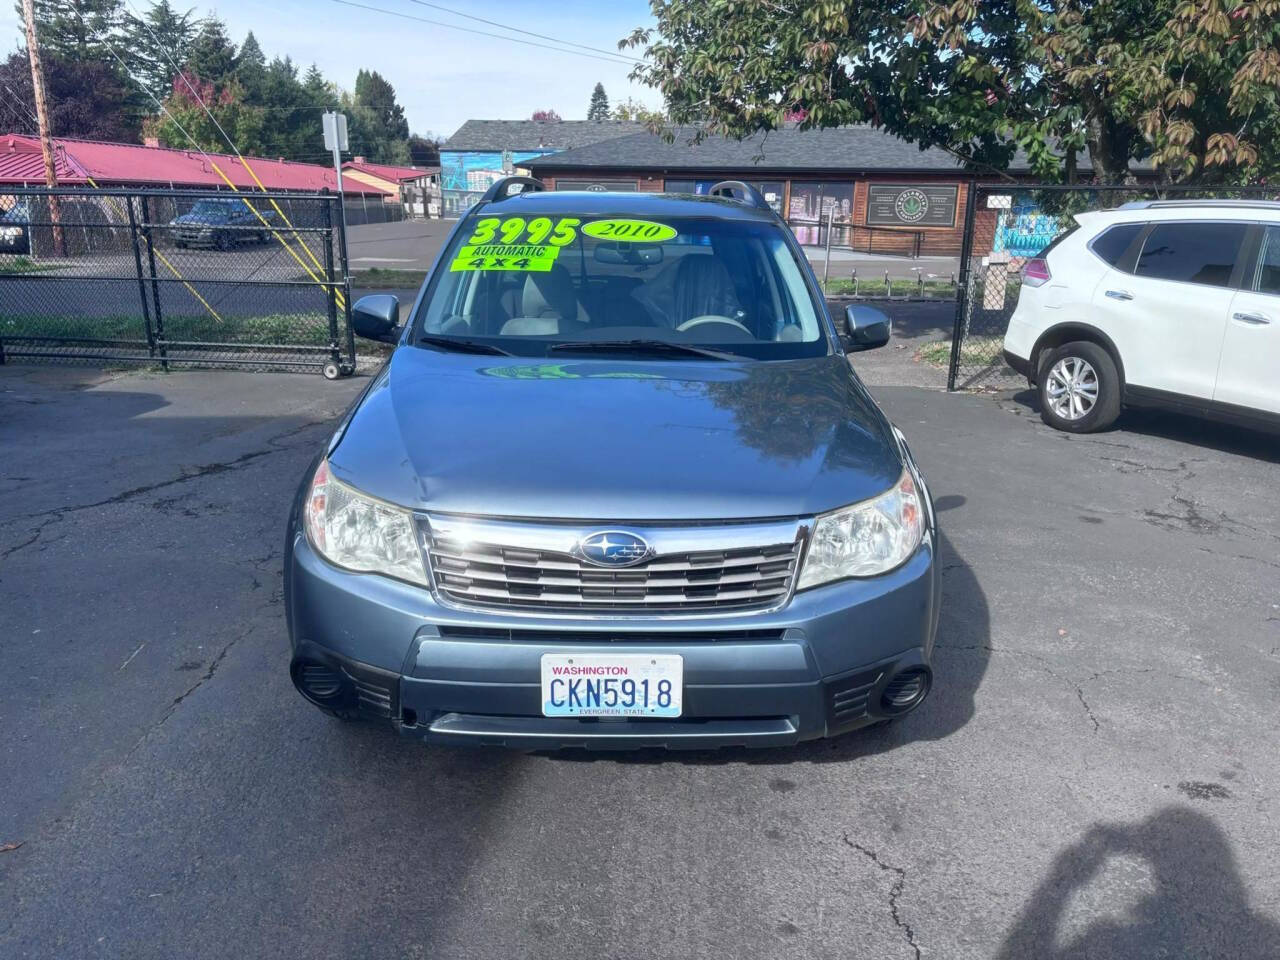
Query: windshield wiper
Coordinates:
[461,345]
[643,346]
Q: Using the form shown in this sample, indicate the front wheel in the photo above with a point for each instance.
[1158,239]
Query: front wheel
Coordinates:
[1079,388]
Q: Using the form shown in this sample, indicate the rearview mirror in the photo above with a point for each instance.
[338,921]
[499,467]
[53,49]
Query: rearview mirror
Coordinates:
[632,253]
[867,327]
[377,317]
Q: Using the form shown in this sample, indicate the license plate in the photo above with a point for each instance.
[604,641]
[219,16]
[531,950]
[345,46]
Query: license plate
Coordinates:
[612,685]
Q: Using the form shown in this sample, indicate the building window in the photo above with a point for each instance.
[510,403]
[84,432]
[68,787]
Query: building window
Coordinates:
[809,207]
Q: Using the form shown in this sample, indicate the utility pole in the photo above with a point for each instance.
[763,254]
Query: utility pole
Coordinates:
[42,121]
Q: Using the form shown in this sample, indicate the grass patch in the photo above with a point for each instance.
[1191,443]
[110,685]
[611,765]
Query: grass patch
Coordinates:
[281,328]
[897,287]
[974,352]
[376,278]
[25,265]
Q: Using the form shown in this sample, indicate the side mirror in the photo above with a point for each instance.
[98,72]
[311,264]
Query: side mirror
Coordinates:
[867,327]
[377,317]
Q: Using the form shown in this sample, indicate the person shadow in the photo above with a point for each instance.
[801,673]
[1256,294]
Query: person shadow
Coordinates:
[1197,905]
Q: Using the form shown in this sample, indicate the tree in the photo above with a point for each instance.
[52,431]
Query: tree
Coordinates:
[423,151]
[320,93]
[545,116]
[633,111]
[599,108]
[86,99]
[251,66]
[1193,85]
[213,55]
[373,92]
[77,30]
[185,116]
[157,45]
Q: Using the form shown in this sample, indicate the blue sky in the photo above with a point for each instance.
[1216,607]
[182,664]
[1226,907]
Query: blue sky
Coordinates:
[442,76]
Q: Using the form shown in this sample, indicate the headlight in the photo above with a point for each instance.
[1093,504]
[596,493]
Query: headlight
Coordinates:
[357,532]
[867,538]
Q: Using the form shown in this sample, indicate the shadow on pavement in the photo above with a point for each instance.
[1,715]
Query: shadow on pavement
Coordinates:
[1195,904]
[964,627]
[1184,428]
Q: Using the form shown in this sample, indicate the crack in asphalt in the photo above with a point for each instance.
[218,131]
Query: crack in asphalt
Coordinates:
[32,540]
[895,891]
[206,470]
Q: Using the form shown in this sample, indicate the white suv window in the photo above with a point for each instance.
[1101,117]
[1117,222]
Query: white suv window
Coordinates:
[1267,279]
[1111,244]
[1192,252]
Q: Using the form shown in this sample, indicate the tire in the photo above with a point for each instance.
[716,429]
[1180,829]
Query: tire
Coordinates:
[331,371]
[1079,388]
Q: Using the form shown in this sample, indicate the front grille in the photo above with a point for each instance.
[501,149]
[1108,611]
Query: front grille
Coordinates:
[497,572]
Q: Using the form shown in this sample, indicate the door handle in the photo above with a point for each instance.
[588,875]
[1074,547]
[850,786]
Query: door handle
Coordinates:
[1255,319]
[1119,294]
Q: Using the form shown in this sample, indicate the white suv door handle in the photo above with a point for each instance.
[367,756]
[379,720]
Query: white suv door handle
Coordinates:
[1119,294]
[1256,319]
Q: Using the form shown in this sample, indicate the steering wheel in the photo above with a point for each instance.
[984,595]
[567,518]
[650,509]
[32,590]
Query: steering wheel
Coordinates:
[712,318]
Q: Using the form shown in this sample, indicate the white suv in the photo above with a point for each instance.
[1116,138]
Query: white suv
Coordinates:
[1168,302]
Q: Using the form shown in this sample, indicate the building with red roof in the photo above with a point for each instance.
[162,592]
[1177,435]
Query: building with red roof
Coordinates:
[417,187]
[89,162]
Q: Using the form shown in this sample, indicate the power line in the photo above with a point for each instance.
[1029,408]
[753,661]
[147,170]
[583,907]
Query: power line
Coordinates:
[484,33]
[540,36]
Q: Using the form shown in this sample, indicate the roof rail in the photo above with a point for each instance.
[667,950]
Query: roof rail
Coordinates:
[501,189]
[1156,204]
[742,192]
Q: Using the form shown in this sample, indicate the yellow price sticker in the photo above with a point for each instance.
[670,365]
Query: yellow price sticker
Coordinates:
[499,256]
[630,231]
[537,231]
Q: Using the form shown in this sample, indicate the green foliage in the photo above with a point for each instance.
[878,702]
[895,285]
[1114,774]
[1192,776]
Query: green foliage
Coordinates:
[213,55]
[262,103]
[634,111]
[157,44]
[1193,85]
[75,30]
[599,107]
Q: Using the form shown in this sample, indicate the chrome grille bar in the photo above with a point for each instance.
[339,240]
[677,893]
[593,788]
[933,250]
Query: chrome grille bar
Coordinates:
[534,565]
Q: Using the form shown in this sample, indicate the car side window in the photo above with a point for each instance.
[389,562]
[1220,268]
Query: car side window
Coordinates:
[1111,244]
[1192,252]
[1267,277]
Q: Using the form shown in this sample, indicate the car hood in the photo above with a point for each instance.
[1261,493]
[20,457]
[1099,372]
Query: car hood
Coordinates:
[198,219]
[604,439]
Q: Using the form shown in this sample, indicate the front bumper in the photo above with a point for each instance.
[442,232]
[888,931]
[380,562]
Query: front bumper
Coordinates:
[820,665]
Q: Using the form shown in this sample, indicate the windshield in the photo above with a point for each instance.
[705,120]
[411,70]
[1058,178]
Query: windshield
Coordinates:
[531,286]
[215,208]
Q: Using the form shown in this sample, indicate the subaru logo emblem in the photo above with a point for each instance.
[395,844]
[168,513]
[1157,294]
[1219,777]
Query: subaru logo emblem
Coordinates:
[613,548]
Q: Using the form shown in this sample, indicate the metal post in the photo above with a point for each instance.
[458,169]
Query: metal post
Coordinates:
[331,304]
[142,287]
[155,283]
[962,283]
[826,267]
[345,267]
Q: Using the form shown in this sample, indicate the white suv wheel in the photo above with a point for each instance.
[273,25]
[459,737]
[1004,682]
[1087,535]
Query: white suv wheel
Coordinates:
[1072,388]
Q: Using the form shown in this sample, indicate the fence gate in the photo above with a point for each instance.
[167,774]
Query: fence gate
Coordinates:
[174,277]
[1008,224]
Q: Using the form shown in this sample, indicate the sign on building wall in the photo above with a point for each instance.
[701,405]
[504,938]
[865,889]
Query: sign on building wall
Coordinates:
[911,205]
[596,186]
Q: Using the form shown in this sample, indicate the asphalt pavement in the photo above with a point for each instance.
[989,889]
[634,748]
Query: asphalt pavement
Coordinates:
[1094,776]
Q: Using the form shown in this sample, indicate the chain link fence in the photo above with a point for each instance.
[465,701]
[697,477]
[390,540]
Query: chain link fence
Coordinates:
[1007,225]
[174,277]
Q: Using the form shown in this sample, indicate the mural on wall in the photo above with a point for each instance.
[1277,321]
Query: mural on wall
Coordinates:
[809,205]
[1022,228]
[465,176]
